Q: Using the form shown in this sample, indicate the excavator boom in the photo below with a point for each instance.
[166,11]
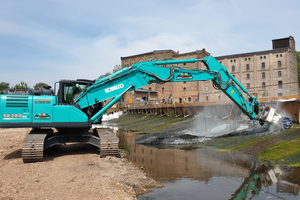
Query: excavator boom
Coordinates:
[161,71]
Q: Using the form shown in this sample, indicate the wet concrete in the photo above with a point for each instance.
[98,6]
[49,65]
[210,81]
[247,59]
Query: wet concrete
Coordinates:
[201,172]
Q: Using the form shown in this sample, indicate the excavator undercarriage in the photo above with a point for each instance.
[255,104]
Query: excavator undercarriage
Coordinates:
[39,140]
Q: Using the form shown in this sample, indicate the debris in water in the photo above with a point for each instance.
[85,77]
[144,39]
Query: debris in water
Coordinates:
[170,139]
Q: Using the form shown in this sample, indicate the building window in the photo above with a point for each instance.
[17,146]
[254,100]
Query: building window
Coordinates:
[261,57]
[280,84]
[265,57]
[184,81]
[263,75]
[190,99]
[196,100]
[264,85]
[245,59]
[263,65]
[180,100]
[233,76]
[279,74]
[280,55]
[279,63]
[280,94]
[163,90]
[233,68]
[247,67]
[248,76]
[219,97]
[248,85]
[230,60]
[206,98]
[149,88]
[234,60]
[184,90]
[221,62]
[277,56]
[249,58]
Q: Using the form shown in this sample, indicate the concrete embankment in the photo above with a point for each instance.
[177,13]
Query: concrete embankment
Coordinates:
[278,147]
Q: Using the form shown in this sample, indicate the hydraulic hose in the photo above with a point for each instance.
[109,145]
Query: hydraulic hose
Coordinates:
[164,80]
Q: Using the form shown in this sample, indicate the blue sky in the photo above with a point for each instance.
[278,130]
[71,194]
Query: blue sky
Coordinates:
[45,41]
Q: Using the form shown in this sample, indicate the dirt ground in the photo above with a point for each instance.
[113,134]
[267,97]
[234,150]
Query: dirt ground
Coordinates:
[72,171]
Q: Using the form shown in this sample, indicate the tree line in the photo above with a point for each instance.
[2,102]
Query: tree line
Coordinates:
[115,69]
[39,86]
[22,85]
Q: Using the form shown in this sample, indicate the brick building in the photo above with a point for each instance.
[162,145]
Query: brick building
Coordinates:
[270,73]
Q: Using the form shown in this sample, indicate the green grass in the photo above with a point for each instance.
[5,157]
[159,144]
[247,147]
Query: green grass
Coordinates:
[243,145]
[140,122]
[233,143]
[168,121]
[164,126]
[287,151]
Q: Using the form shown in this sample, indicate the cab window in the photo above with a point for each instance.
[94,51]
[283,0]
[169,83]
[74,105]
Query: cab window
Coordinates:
[71,91]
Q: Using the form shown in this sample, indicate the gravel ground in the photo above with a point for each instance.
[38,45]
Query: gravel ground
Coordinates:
[72,171]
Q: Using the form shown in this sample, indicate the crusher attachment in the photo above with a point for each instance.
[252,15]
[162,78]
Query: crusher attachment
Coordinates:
[269,114]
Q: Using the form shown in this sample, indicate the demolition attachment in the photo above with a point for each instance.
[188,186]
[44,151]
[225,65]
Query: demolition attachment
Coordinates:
[268,114]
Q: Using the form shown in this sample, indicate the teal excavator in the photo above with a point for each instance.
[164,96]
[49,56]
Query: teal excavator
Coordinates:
[80,103]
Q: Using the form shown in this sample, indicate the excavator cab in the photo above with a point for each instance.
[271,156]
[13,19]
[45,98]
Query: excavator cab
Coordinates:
[69,89]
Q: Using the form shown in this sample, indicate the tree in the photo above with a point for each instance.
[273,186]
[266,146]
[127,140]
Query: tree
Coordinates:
[3,87]
[22,85]
[117,68]
[39,86]
[107,73]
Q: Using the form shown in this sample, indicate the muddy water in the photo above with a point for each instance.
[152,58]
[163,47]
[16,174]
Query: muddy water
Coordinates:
[204,173]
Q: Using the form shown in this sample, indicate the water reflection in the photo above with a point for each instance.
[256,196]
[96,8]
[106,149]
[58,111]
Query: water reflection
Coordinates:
[265,176]
[205,172]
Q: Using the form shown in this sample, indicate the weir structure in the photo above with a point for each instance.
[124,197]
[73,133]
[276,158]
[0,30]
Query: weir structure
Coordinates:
[222,110]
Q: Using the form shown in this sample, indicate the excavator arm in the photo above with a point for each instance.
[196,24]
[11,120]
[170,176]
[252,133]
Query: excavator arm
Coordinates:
[161,71]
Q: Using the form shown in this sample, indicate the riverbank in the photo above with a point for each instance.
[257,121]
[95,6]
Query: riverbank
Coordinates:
[279,148]
[72,171]
[282,148]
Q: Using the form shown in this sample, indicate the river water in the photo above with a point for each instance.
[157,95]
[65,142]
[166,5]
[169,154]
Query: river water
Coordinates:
[205,173]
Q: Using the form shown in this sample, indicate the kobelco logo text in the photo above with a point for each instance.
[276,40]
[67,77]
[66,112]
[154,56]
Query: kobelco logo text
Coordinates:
[116,87]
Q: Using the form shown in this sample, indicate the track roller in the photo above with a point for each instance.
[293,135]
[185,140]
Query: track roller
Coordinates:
[33,145]
[109,143]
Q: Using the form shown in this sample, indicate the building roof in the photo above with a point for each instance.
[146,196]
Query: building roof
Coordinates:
[290,37]
[252,53]
[219,57]
[149,53]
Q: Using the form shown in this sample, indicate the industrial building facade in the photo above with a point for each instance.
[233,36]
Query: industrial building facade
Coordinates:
[271,73]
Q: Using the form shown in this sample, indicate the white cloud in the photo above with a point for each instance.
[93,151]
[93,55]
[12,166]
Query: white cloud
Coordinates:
[69,40]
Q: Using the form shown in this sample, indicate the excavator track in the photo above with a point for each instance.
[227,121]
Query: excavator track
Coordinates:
[109,143]
[33,145]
